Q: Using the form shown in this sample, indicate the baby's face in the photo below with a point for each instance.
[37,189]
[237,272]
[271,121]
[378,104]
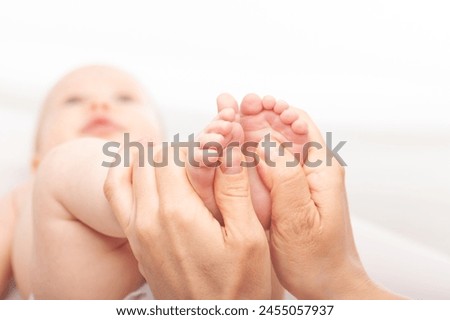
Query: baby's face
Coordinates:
[98,102]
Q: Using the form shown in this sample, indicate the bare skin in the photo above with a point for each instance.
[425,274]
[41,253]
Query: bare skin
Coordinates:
[224,129]
[311,240]
[60,262]
[7,218]
[73,228]
[192,256]
[254,119]
[92,101]
[79,249]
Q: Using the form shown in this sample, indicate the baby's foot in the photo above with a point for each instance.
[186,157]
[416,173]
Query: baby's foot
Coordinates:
[223,130]
[268,116]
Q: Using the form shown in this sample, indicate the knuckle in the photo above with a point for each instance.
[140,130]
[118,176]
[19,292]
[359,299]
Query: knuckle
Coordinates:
[235,190]
[257,242]
[176,214]
[183,219]
[250,242]
[169,210]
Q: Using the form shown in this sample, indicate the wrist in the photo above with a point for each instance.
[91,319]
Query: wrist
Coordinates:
[348,282]
[355,284]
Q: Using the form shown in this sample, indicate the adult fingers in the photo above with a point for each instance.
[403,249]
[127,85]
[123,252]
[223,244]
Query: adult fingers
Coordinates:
[288,185]
[176,194]
[119,192]
[232,193]
[325,175]
[145,191]
[319,157]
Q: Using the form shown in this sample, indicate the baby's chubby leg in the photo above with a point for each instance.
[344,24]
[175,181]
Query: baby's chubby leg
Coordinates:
[80,251]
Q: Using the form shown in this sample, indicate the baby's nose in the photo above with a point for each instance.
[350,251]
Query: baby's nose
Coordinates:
[100,105]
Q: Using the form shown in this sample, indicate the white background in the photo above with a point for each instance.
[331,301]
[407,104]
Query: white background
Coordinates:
[376,73]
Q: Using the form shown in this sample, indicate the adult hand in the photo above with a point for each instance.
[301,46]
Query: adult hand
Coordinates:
[182,250]
[311,240]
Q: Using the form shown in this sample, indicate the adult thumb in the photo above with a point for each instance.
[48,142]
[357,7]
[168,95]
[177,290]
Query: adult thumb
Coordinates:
[232,192]
[283,175]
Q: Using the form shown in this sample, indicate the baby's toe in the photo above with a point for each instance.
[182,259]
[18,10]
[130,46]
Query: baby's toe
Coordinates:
[224,101]
[219,126]
[299,127]
[268,102]
[288,116]
[236,134]
[251,104]
[209,150]
[227,114]
[211,140]
[280,106]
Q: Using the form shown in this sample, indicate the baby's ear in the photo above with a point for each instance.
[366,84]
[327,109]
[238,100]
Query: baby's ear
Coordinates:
[35,162]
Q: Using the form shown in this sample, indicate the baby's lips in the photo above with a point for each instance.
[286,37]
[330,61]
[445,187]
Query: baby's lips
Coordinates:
[101,127]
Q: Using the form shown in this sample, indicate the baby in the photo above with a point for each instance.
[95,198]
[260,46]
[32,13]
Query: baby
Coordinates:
[58,236]
[93,101]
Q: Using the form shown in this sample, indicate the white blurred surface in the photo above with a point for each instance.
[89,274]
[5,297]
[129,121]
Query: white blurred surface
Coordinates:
[376,74]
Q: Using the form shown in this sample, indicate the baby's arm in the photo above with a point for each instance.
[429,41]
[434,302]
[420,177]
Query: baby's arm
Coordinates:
[7,215]
[79,249]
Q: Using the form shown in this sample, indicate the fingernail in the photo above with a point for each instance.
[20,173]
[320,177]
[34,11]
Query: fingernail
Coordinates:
[231,163]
